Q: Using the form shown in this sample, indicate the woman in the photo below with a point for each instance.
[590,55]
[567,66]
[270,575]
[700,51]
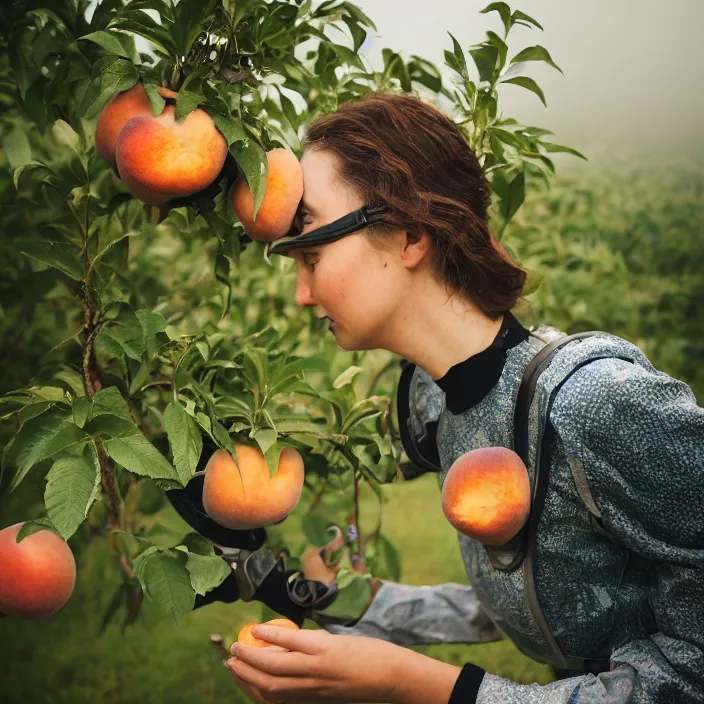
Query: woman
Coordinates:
[618,559]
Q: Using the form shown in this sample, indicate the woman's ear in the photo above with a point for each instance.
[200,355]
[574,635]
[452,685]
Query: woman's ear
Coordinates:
[414,247]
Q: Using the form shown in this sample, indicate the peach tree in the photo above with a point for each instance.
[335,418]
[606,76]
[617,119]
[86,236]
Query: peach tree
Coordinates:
[151,328]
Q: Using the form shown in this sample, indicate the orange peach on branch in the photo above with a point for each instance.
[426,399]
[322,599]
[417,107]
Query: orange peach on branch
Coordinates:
[241,494]
[37,575]
[283,193]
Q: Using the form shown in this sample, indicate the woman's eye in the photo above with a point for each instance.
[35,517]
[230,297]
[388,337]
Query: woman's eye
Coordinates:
[310,261]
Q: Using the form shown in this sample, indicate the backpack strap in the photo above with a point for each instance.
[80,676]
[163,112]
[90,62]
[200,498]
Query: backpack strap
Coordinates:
[521,549]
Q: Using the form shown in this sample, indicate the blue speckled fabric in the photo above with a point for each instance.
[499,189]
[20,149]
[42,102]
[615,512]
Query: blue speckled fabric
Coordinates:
[629,444]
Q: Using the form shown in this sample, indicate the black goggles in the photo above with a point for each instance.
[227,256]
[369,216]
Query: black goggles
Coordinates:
[346,225]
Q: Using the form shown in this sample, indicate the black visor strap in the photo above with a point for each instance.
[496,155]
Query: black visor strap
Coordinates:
[346,225]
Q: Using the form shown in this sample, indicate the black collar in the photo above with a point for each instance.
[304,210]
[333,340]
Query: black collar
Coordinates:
[465,384]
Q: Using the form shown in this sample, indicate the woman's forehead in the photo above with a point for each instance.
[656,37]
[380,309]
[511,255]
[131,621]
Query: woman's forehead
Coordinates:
[323,188]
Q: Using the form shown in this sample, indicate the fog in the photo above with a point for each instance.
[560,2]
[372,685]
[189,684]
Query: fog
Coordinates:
[632,68]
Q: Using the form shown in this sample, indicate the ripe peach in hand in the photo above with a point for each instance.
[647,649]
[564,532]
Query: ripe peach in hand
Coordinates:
[37,575]
[159,158]
[486,495]
[245,635]
[241,495]
[284,190]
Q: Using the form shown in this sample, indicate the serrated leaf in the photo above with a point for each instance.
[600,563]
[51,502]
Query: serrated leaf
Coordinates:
[73,483]
[251,158]
[347,377]
[206,572]
[64,257]
[230,128]
[528,84]
[39,438]
[367,408]
[167,582]
[185,440]
[109,402]
[535,53]
[136,454]
[119,76]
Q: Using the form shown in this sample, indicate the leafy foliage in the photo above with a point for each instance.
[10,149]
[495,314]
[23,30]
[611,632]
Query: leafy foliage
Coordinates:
[173,326]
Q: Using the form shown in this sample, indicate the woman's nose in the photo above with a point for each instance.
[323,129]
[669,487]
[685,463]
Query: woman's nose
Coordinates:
[304,297]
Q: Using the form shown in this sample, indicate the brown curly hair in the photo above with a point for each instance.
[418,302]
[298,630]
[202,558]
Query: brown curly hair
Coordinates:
[399,151]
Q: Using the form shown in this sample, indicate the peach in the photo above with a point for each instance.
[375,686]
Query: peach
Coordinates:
[245,635]
[37,575]
[284,190]
[486,494]
[245,496]
[159,158]
[121,108]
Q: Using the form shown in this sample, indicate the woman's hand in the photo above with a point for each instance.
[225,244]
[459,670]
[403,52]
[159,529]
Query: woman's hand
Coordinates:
[320,666]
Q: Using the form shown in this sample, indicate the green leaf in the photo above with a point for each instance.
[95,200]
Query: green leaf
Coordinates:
[230,128]
[558,148]
[347,377]
[155,100]
[41,173]
[521,17]
[118,43]
[315,529]
[368,408]
[528,84]
[185,440]
[64,257]
[251,158]
[460,64]
[109,401]
[73,483]
[513,196]
[206,571]
[167,582]
[485,59]
[39,438]
[119,76]
[136,454]
[34,526]
[388,558]
[535,53]
[504,11]
[186,103]
[82,408]
[17,148]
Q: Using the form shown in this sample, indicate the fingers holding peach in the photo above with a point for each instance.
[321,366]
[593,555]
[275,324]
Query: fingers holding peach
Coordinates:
[486,495]
[245,635]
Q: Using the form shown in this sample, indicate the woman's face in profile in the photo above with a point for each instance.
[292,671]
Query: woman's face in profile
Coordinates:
[354,284]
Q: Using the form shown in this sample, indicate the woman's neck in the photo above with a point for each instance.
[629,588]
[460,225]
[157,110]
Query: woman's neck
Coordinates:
[436,331]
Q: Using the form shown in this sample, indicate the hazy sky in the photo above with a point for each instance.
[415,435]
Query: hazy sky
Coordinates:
[633,68]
